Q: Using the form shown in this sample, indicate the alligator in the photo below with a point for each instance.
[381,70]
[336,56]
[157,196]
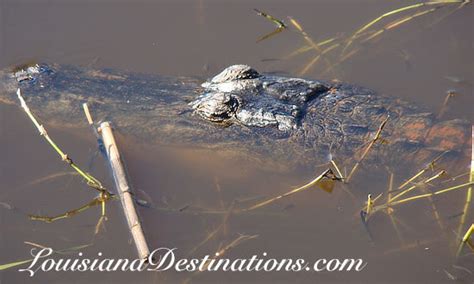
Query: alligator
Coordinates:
[289,121]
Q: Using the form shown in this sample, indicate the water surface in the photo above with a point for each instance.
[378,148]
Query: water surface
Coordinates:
[198,39]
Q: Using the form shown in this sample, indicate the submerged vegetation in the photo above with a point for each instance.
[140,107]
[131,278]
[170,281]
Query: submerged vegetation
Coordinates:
[92,182]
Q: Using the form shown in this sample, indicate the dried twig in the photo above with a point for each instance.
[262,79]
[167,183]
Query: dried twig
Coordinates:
[123,189]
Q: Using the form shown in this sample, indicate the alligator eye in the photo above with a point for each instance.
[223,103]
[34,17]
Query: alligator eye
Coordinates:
[216,107]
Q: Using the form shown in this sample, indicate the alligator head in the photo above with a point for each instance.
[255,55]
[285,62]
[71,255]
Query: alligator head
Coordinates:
[239,94]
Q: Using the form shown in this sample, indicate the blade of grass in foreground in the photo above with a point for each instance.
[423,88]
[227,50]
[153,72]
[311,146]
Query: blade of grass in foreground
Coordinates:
[63,251]
[13,264]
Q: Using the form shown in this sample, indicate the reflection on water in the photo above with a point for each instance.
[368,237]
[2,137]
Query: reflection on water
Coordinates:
[198,38]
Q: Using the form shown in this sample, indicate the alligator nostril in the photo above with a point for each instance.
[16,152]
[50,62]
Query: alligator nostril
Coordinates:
[30,73]
[27,73]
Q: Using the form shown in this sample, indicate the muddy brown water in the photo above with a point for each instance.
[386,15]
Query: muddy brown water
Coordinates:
[199,38]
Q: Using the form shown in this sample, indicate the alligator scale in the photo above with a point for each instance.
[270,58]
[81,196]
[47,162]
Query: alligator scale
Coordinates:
[290,120]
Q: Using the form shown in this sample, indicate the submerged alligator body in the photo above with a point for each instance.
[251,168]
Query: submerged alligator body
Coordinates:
[289,120]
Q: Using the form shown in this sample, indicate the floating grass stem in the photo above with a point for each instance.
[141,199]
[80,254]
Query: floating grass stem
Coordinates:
[310,41]
[219,192]
[95,202]
[455,177]
[468,234]
[364,35]
[367,26]
[100,224]
[307,48]
[270,34]
[426,181]
[398,23]
[220,253]
[436,214]
[369,146]
[298,51]
[466,239]
[440,19]
[225,220]
[279,23]
[430,166]
[51,177]
[442,110]
[370,204]
[327,174]
[240,239]
[14,264]
[410,180]
[91,181]
[342,59]
[221,228]
[62,251]
[333,163]
[104,195]
[421,196]
[390,211]
[468,200]
[316,58]
[209,237]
